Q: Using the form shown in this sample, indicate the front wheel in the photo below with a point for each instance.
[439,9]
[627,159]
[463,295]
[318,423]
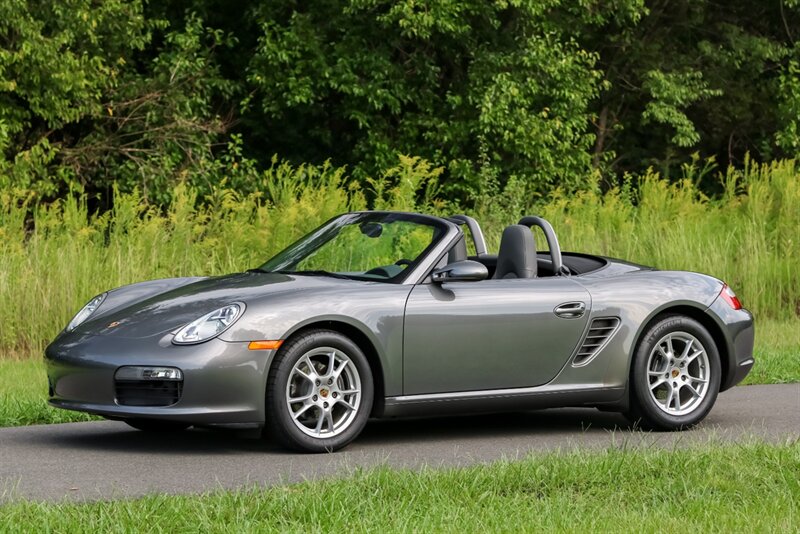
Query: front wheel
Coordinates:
[676,374]
[319,392]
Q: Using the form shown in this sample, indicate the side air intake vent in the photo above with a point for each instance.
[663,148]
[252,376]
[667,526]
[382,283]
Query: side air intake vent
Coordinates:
[600,331]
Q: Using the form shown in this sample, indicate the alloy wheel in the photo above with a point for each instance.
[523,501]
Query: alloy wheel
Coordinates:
[323,392]
[678,373]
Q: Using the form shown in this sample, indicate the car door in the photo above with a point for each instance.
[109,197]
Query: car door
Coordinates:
[492,334]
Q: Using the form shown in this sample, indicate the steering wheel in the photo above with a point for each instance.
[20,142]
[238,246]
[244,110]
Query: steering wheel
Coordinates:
[403,261]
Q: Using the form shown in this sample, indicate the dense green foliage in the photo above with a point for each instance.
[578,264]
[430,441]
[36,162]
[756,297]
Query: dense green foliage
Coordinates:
[628,489]
[53,263]
[87,99]
[534,93]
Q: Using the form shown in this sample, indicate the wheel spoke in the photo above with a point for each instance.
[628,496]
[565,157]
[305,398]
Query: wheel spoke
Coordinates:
[349,391]
[301,411]
[694,391]
[331,362]
[691,358]
[677,395]
[338,372]
[320,420]
[657,384]
[301,373]
[311,368]
[347,405]
[329,419]
[670,348]
[670,396]
[693,378]
[687,348]
[299,399]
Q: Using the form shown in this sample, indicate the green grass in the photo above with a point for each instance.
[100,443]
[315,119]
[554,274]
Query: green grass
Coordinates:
[23,383]
[23,396]
[777,353]
[714,488]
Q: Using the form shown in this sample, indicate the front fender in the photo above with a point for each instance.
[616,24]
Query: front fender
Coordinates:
[375,310]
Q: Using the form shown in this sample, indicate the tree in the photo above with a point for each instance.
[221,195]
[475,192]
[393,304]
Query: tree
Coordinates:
[475,86]
[696,77]
[533,93]
[88,96]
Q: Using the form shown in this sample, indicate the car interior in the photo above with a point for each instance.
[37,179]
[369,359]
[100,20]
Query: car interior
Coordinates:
[518,256]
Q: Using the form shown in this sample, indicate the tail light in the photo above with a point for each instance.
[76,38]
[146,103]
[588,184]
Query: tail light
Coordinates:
[730,297]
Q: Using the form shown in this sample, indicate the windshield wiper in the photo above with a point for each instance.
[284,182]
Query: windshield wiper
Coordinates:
[316,273]
[256,270]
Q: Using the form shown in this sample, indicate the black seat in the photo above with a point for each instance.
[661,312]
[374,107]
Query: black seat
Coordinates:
[517,256]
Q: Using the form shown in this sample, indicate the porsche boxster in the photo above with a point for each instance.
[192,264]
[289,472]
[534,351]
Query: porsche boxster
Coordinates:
[386,314]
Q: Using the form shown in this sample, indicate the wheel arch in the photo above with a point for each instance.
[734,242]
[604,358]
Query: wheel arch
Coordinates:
[360,338]
[699,315]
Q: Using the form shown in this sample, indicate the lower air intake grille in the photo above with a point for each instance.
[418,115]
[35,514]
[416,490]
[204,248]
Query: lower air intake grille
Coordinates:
[600,331]
[148,392]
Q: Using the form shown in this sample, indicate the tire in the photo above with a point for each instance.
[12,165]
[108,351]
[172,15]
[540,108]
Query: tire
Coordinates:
[311,405]
[675,376]
[156,425]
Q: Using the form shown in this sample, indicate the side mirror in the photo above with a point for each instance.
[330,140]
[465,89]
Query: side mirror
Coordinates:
[461,271]
[371,229]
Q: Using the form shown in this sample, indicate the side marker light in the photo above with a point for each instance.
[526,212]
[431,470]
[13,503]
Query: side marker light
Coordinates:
[265,345]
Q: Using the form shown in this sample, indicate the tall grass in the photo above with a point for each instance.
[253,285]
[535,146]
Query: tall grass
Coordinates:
[749,236]
[55,257]
[54,262]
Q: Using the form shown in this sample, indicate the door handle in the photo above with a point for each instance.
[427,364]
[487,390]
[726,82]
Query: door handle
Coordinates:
[570,310]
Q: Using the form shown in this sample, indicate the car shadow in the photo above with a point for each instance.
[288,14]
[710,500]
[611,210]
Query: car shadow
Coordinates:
[530,423]
[118,437]
[113,436]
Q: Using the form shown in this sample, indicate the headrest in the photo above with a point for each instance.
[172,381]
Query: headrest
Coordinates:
[517,255]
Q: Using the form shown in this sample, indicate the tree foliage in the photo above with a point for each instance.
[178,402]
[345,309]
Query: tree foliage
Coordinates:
[698,77]
[446,80]
[522,95]
[93,93]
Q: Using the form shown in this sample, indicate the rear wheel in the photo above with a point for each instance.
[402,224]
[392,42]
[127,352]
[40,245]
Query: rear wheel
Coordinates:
[676,374]
[319,392]
[155,425]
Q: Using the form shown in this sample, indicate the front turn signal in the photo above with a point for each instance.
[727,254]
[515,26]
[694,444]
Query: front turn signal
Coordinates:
[265,345]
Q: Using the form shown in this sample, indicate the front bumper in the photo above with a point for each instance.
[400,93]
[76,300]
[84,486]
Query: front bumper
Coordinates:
[223,383]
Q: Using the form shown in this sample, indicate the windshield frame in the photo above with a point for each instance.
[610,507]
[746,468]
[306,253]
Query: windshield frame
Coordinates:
[443,233]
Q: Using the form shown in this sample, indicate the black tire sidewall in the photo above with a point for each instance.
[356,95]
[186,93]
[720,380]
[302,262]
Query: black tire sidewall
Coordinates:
[644,407]
[278,419]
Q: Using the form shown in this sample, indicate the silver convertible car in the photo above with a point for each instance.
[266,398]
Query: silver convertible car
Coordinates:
[386,314]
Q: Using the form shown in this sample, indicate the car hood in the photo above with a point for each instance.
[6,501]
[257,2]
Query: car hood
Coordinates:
[170,310]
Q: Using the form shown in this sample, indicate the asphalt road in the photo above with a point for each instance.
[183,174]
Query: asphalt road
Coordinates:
[104,460]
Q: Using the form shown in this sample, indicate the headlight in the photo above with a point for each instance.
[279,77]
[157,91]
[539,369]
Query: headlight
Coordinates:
[208,326]
[86,312]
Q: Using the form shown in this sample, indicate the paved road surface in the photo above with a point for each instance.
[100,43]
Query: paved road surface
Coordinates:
[104,460]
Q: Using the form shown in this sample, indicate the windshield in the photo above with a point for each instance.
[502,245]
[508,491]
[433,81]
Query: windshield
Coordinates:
[363,246]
